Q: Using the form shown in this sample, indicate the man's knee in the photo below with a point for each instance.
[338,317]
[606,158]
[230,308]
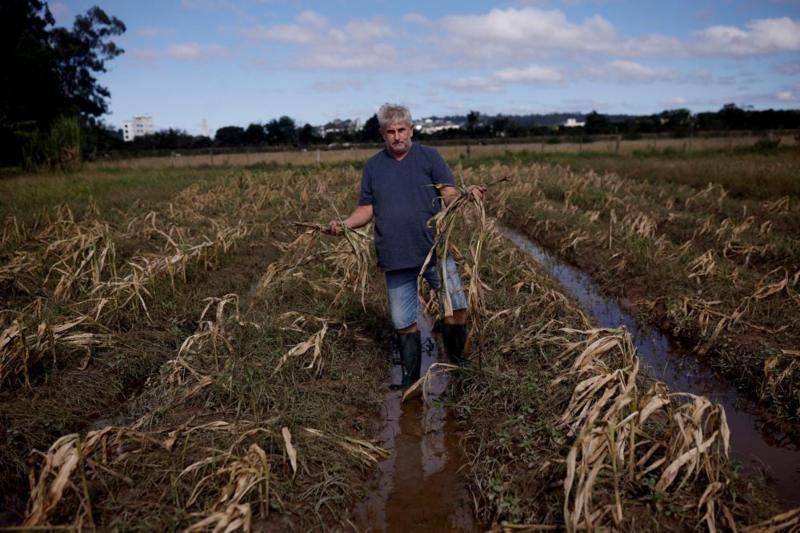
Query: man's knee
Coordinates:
[459,316]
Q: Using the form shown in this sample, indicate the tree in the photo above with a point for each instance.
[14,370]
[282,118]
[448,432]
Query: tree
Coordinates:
[46,72]
[596,124]
[307,135]
[255,134]
[81,53]
[472,122]
[371,132]
[677,121]
[229,136]
[500,126]
[732,117]
[281,131]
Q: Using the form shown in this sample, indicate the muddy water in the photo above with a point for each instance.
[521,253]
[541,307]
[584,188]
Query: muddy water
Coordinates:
[755,442]
[420,485]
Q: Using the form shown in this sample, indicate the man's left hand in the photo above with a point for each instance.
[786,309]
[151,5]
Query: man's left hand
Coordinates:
[477,191]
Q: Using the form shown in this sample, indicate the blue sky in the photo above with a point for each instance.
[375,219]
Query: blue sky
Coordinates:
[233,62]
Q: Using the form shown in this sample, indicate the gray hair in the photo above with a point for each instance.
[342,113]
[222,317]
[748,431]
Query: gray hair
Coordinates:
[391,113]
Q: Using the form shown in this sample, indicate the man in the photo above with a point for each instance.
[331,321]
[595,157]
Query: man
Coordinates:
[399,192]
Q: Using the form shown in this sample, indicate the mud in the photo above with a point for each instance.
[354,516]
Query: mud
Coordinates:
[421,486]
[756,441]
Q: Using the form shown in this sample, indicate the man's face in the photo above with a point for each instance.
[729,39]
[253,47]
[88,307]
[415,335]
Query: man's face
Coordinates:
[397,136]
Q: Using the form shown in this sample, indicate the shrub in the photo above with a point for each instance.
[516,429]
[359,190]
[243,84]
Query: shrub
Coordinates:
[59,147]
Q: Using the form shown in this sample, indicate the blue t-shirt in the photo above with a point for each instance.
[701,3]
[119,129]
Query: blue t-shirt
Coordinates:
[403,200]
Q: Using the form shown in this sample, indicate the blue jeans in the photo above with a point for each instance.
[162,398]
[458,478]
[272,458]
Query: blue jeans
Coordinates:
[402,288]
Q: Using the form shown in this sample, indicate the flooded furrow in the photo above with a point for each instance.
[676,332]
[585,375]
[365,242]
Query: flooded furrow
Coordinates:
[420,485]
[755,442]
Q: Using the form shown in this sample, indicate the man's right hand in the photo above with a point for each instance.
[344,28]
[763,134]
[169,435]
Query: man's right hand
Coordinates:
[334,228]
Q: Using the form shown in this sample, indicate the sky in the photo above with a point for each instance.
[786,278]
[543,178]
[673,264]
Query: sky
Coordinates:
[198,65]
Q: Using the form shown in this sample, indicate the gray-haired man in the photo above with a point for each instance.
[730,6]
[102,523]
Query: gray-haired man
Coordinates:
[397,192]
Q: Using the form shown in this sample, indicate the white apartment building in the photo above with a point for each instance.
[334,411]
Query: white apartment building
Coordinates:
[136,127]
[573,123]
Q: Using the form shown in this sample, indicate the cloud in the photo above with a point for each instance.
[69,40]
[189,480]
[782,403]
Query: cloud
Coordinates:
[530,75]
[676,101]
[416,18]
[194,51]
[485,84]
[338,86]
[525,31]
[787,96]
[357,45]
[762,36]
[790,68]
[60,11]
[533,74]
[153,31]
[144,55]
[625,70]
[536,32]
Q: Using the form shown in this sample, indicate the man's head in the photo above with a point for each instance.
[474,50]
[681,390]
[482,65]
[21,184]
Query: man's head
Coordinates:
[396,128]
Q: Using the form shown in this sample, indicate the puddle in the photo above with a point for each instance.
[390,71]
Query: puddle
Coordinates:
[755,442]
[420,486]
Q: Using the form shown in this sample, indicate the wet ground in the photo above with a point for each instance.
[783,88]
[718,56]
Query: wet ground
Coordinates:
[755,441]
[421,486]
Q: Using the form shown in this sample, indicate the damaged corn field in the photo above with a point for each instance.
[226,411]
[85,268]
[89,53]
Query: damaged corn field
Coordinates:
[210,360]
[716,264]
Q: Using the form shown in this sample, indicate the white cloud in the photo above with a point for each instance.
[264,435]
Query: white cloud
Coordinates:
[762,36]
[485,84]
[631,71]
[416,18]
[144,55]
[506,37]
[357,45]
[525,31]
[531,75]
[786,96]
[338,86]
[194,51]
[676,101]
[537,32]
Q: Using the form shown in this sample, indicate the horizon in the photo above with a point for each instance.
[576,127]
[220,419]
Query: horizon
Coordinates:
[236,62]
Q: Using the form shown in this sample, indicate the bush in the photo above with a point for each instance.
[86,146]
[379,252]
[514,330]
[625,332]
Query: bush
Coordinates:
[767,144]
[59,147]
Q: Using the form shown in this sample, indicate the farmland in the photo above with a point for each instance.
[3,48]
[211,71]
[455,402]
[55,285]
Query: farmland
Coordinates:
[176,351]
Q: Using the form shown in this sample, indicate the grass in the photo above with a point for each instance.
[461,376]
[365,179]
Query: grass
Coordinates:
[103,189]
[744,172]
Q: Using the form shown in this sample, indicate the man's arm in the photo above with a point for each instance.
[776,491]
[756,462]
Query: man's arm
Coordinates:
[361,216]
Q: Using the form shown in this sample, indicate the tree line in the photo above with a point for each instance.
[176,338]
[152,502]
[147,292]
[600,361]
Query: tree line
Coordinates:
[285,132]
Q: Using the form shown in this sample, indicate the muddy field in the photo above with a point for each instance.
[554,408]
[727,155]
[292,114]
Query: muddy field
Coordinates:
[184,352]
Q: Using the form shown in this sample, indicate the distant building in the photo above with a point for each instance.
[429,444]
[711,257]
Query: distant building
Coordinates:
[573,123]
[137,126]
[429,125]
[339,127]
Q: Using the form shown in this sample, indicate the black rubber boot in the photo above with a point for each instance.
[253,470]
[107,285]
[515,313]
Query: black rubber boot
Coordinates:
[455,337]
[410,347]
